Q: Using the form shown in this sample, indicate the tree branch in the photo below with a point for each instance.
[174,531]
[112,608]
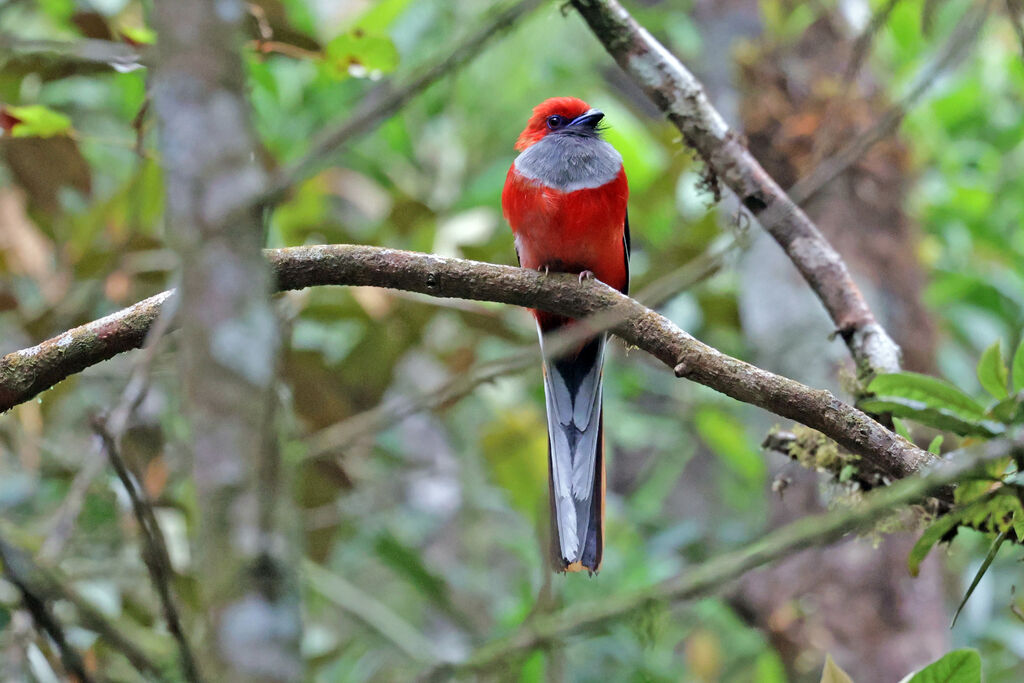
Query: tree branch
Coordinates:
[709,577]
[36,604]
[54,58]
[341,434]
[962,37]
[154,553]
[26,373]
[882,452]
[681,96]
[383,103]
[44,584]
[1015,11]
[229,341]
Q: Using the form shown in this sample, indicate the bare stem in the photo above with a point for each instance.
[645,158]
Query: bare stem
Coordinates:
[154,553]
[711,576]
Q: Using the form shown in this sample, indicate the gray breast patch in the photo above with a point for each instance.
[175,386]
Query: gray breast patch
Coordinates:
[569,162]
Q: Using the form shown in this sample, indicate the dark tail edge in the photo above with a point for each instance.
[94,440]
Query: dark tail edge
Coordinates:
[594,544]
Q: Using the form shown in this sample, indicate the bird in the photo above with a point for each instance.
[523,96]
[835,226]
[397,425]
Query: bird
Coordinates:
[565,199]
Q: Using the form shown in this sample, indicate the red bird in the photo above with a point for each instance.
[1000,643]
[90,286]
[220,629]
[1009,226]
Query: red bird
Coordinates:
[565,198]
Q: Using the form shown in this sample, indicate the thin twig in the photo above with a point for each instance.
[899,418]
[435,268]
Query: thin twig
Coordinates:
[131,397]
[154,552]
[45,583]
[711,576]
[862,44]
[80,53]
[370,611]
[36,605]
[384,102]
[960,40]
[1015,8]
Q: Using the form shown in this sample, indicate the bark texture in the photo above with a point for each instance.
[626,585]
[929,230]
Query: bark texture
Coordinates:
[682,97]
[852,600]
[882,453]
[229,341]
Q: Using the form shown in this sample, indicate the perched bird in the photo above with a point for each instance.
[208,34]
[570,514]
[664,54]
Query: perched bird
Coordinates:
[565,199]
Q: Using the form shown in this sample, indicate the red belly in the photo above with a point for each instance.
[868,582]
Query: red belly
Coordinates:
[569,232]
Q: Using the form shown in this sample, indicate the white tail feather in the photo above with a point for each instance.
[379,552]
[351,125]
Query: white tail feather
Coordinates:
[573,430]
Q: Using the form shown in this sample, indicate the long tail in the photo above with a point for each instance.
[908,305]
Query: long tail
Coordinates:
[573,388]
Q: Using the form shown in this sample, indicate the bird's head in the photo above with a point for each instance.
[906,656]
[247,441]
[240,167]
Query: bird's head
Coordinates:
[560,116]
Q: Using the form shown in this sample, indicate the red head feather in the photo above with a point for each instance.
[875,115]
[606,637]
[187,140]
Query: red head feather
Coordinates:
[569,107]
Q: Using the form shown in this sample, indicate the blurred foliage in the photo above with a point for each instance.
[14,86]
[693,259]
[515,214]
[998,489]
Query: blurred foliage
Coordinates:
[441,520]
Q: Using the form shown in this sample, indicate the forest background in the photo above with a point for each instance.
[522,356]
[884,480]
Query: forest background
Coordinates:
[413,534]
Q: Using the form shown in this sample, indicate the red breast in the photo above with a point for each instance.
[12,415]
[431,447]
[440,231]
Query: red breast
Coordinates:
[565,195]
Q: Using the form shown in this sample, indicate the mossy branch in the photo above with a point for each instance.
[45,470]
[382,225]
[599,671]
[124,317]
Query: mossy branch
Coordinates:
[23,374]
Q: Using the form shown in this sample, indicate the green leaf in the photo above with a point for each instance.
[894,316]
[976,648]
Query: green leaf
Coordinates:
[931,391]
[727,438]
[1018,368]
[1006,411]
[37,121]
[381,15]
[361,54]
[833,674]
[958,666]
[768,668]
[901,429]
[932,535]
[935,417]
[992,552]
[139,35]
[935,447]
[992,372]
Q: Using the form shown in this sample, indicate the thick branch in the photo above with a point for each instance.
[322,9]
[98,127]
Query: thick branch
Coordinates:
[229,341]
[340,435]
[681,96]
[709,577]
[882,452]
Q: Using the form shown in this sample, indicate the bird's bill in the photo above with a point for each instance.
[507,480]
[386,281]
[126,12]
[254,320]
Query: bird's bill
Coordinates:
[588,119]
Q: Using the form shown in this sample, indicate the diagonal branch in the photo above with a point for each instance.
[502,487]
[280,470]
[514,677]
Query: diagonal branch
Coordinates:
[1015,10]
[385,102]
[882,452]
[154,553]
[709,577]
[681,96]
[48,587]
[46,623]
[962,37]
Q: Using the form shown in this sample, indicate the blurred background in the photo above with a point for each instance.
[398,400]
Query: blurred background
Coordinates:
[432,528]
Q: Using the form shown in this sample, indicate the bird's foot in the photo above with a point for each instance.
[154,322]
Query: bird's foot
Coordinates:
[543,269]
[586,275]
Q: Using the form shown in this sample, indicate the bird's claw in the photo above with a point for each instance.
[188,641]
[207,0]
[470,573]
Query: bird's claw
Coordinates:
[586,275]
[543,269]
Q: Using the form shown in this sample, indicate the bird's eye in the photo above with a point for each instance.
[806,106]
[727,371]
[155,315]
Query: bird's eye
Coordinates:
[556,121]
